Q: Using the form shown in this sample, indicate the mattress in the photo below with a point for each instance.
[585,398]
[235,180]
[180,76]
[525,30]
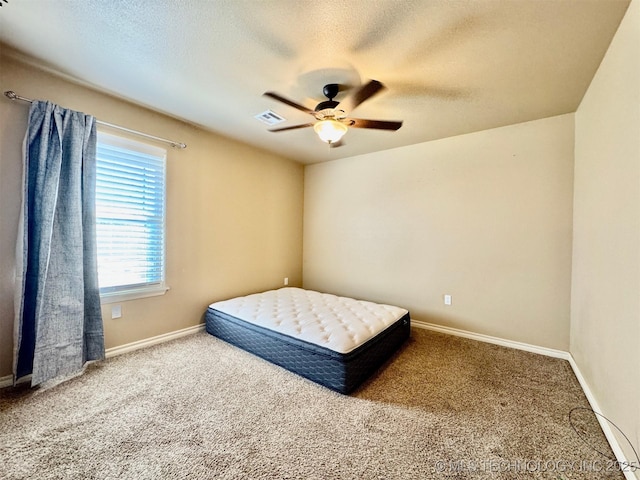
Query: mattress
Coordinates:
[335,341]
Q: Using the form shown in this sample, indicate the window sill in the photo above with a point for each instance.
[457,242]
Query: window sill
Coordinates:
[133,294]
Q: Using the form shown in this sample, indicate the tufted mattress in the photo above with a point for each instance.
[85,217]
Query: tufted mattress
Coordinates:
[335,341]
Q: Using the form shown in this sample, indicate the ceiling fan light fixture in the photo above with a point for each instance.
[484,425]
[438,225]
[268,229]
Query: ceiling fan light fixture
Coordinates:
[330,131]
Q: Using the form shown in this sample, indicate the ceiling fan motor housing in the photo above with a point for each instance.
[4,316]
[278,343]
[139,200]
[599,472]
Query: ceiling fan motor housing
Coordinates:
[330,91]
[327,104]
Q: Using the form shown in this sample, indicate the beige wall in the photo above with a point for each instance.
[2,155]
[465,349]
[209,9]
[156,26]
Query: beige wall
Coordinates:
[234,213]
[605,308]
[485,217]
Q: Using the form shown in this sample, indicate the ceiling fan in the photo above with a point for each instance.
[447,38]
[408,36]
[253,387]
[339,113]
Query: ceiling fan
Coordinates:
[331,117]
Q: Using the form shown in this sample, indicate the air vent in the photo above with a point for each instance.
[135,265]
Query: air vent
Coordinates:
[270,118]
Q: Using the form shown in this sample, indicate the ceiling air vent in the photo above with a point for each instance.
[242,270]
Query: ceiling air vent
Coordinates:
[270,118]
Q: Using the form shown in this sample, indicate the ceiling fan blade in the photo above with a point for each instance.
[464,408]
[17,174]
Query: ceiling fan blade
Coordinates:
[293,127]
[426,90]
[361,94]
[378,124]
[291,103]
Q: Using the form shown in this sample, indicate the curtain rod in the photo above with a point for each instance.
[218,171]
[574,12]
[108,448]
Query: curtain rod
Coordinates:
[13,96]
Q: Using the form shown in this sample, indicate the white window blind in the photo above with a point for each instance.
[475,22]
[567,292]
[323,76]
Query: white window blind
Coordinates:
[130,203]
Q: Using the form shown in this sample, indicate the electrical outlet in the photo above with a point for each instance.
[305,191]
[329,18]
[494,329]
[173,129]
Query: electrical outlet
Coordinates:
[116,311]
[447,299]
[286,281]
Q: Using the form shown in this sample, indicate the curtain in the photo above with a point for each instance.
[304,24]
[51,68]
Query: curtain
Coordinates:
[58,323]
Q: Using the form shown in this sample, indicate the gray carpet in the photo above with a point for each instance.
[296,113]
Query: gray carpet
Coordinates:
[198,408]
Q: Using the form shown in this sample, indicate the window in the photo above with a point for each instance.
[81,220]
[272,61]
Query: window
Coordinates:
[130,199]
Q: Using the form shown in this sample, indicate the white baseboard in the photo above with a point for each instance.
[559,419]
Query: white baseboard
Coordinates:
[7,380]
[604,424]
[549,352]
[147,342]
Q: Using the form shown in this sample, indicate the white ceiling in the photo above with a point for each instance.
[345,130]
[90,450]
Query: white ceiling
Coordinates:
[450,66]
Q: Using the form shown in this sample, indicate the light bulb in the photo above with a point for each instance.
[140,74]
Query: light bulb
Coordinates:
[330,131]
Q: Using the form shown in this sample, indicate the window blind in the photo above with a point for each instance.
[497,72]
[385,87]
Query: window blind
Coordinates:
[130,203]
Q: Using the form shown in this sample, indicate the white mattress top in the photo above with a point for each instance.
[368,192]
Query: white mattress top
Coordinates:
[338,323]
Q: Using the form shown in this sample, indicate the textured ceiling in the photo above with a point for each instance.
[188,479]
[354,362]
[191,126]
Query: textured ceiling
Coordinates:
[451,66]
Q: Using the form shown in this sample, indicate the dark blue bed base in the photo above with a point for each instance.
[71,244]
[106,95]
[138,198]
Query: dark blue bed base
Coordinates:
[339,372]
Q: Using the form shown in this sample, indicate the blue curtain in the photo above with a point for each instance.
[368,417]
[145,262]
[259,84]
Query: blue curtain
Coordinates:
[58,326]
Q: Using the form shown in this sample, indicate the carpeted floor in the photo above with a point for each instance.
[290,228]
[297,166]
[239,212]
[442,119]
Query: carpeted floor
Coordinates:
[198,408]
